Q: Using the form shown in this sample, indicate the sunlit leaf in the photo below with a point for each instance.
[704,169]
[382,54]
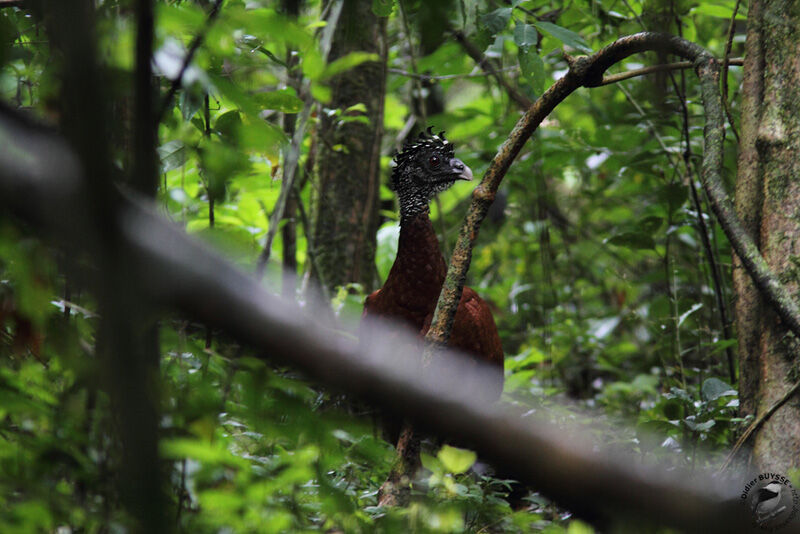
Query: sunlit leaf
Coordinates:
[456,460]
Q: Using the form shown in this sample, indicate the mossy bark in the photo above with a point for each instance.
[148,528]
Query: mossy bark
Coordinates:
[768,200]
[345,200]
[749,305]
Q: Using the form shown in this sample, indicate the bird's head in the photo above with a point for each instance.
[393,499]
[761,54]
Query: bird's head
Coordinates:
[426,166]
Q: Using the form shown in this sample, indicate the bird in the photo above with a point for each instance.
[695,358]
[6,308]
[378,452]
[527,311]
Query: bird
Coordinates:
[766,502]
[426,166]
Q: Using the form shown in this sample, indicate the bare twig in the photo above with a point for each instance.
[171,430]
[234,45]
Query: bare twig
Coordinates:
[193,48]
[614,78]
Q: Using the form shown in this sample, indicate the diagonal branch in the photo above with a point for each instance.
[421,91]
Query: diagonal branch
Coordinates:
[181,273]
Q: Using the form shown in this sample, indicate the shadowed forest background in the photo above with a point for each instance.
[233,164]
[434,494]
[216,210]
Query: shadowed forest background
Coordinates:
[266,129]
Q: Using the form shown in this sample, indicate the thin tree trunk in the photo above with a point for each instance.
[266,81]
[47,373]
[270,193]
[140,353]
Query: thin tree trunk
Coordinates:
[768,199]
[748,201]
[289,230]
[345,209]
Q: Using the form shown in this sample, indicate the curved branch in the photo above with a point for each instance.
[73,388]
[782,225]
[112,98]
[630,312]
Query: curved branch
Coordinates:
[588,71]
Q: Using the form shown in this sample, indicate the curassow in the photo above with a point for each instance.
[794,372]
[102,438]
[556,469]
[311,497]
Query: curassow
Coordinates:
[425,167]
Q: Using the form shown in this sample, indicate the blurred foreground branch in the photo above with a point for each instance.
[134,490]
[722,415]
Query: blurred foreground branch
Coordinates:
[40,182]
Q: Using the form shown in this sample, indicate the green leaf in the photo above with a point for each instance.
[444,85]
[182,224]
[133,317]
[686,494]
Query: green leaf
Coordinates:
[525,35]
[172,155]
[532,68]
[353,59]
[714,388]
[699,427]
[456,460]
[382,8]
[497,20]
[228,125]
[386,250]
[431,463]
[283,100]
[564,35]
[721,11]
[633,240]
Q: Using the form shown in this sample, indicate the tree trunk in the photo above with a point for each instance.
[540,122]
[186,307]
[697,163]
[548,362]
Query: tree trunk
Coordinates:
[768,200]
[345,204]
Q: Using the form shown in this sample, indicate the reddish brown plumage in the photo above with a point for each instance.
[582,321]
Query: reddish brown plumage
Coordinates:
[412,289]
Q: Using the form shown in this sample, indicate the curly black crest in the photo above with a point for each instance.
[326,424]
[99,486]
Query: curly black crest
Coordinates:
[427,143]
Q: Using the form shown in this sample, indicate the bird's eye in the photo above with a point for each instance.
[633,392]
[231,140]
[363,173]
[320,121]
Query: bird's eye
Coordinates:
[434,161]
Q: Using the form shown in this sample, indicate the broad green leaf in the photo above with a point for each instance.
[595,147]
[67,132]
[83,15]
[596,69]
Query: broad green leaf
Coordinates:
[386,251]
[497,20]
[172,155]
[699,427]
[525,35]
[431,463]
[568,37]
[532,68]
[714,388]
[228,124]
[456,460]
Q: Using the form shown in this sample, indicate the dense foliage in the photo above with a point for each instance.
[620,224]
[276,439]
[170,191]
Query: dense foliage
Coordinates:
[599,263]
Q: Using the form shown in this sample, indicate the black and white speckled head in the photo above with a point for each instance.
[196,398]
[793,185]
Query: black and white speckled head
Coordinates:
[426,166]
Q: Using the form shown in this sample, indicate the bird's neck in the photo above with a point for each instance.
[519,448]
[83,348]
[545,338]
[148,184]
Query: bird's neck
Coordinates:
[413,205]
[419,265]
